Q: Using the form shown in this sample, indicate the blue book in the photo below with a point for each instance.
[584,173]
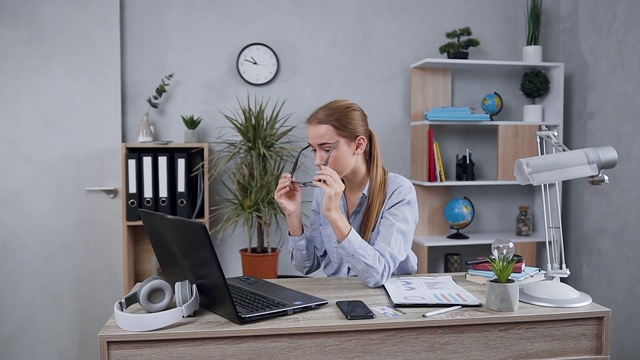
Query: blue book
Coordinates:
[528,271]
[462,116]
[450,109]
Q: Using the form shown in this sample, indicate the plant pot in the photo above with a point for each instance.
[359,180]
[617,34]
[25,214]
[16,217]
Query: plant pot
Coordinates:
[459,55]
[532,113]
[502,296]
[532,54]
[262,266]
[191,136]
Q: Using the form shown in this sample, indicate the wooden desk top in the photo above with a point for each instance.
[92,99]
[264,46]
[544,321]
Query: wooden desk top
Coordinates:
[329,319]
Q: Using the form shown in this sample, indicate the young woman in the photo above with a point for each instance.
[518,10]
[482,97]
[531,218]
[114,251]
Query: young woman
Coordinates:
[363,218]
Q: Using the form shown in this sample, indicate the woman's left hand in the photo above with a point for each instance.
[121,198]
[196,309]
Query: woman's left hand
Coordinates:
[329,181]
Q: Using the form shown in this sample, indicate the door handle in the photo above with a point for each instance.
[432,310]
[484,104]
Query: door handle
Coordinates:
[109,191]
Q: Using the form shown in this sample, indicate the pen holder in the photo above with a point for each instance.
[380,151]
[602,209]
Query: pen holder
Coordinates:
[465,169]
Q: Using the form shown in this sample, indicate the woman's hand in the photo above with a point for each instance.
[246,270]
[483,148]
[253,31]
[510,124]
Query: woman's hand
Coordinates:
[288,195]
[329,181]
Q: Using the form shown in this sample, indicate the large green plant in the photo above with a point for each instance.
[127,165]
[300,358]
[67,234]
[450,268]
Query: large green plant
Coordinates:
[248,162]
[533,17]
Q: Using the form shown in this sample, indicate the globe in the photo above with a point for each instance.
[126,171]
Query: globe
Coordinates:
[492,104]
[459,212]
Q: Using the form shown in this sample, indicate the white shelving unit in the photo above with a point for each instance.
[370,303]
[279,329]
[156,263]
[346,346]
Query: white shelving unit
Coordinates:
[496,145]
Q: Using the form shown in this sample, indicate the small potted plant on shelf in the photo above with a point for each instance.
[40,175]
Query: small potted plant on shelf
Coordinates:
[502,292]
[533,18]
[146,131]
[457,48]
[534,85]
[192,123]
[247,163]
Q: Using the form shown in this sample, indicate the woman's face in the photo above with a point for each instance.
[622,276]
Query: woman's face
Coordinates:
[322,138]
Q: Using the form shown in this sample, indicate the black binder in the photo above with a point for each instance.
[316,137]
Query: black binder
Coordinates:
[182,170]
[165,184]
[132,170]
[148,182]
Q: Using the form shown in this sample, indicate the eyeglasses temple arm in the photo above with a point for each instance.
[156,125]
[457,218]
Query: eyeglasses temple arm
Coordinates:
[326,161]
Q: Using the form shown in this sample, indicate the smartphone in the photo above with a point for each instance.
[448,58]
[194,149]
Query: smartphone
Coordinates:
[355,309]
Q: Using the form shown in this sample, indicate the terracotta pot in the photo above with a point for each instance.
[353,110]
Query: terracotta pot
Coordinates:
[262,266]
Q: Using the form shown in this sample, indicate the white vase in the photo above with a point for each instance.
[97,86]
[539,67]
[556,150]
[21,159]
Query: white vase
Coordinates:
[191,136]
[532,113]
[502,296]
[532,53]
[145,133]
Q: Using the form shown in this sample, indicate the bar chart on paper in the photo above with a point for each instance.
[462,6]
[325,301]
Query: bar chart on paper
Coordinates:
[428,291]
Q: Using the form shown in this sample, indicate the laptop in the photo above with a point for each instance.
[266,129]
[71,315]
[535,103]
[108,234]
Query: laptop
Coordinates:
[184,251]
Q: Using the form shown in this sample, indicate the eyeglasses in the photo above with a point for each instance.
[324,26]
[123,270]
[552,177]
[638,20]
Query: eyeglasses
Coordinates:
[295,164]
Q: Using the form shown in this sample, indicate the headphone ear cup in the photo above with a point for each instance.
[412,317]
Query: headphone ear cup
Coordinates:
[183,292]
[155,294]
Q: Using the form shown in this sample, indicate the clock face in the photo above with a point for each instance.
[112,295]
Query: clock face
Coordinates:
[257,64]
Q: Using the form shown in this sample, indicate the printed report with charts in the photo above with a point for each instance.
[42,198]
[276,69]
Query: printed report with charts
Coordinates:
[428,291]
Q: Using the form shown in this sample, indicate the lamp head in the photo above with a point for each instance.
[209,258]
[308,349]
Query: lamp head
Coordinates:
[567,165]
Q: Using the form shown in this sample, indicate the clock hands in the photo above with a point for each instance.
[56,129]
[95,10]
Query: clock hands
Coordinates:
[254,62]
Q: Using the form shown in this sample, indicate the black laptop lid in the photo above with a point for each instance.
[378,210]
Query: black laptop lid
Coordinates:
[194,258]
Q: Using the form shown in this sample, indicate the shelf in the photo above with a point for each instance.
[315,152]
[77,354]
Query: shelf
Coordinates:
[139,222]
[481,123]
[476,239]
[480,64]
[465,183]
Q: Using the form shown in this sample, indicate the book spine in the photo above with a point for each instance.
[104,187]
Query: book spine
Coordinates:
[431,160]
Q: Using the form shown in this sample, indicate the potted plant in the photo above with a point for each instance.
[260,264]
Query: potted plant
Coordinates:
[145,134]
[502,292]
[248,164]
[192,123]
[534,85]
[533,19]
[457,49]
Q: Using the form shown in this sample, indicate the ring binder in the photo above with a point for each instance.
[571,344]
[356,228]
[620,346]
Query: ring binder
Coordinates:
[133,185]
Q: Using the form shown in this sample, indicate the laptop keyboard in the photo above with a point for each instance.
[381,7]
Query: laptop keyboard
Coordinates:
[253,301]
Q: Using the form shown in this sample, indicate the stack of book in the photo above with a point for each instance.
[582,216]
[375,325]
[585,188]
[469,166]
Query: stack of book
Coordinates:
[528,274]
[455,113]
[436,168]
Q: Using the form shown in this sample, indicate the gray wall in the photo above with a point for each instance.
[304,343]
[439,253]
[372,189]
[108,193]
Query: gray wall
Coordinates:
[601,48]
[360,50]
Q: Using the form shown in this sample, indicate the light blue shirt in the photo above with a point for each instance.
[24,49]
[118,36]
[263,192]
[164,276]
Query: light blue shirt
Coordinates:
[388,251]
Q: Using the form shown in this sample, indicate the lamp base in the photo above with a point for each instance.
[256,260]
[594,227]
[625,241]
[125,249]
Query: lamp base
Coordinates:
[553,293]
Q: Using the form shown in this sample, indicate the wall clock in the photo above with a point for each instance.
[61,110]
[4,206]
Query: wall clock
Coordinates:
[257,64]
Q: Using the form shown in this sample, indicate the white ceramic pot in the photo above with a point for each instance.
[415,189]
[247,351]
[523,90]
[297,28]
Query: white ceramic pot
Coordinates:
[502,296]
[532,54]
[532,113]
[191,136]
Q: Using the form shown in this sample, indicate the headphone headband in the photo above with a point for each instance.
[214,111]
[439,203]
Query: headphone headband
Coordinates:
[153,321]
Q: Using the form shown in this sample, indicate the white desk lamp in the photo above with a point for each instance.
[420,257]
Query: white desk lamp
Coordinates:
[548,169]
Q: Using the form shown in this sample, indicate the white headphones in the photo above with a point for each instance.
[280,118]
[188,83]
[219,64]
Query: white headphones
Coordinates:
[154,295]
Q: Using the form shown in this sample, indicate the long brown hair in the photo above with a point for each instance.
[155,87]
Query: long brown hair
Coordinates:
[350,121]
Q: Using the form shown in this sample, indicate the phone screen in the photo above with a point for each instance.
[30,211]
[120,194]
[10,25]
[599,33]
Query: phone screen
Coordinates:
[355,309]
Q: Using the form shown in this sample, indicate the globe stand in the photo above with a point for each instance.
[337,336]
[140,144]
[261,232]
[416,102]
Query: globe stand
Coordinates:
[457,235]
